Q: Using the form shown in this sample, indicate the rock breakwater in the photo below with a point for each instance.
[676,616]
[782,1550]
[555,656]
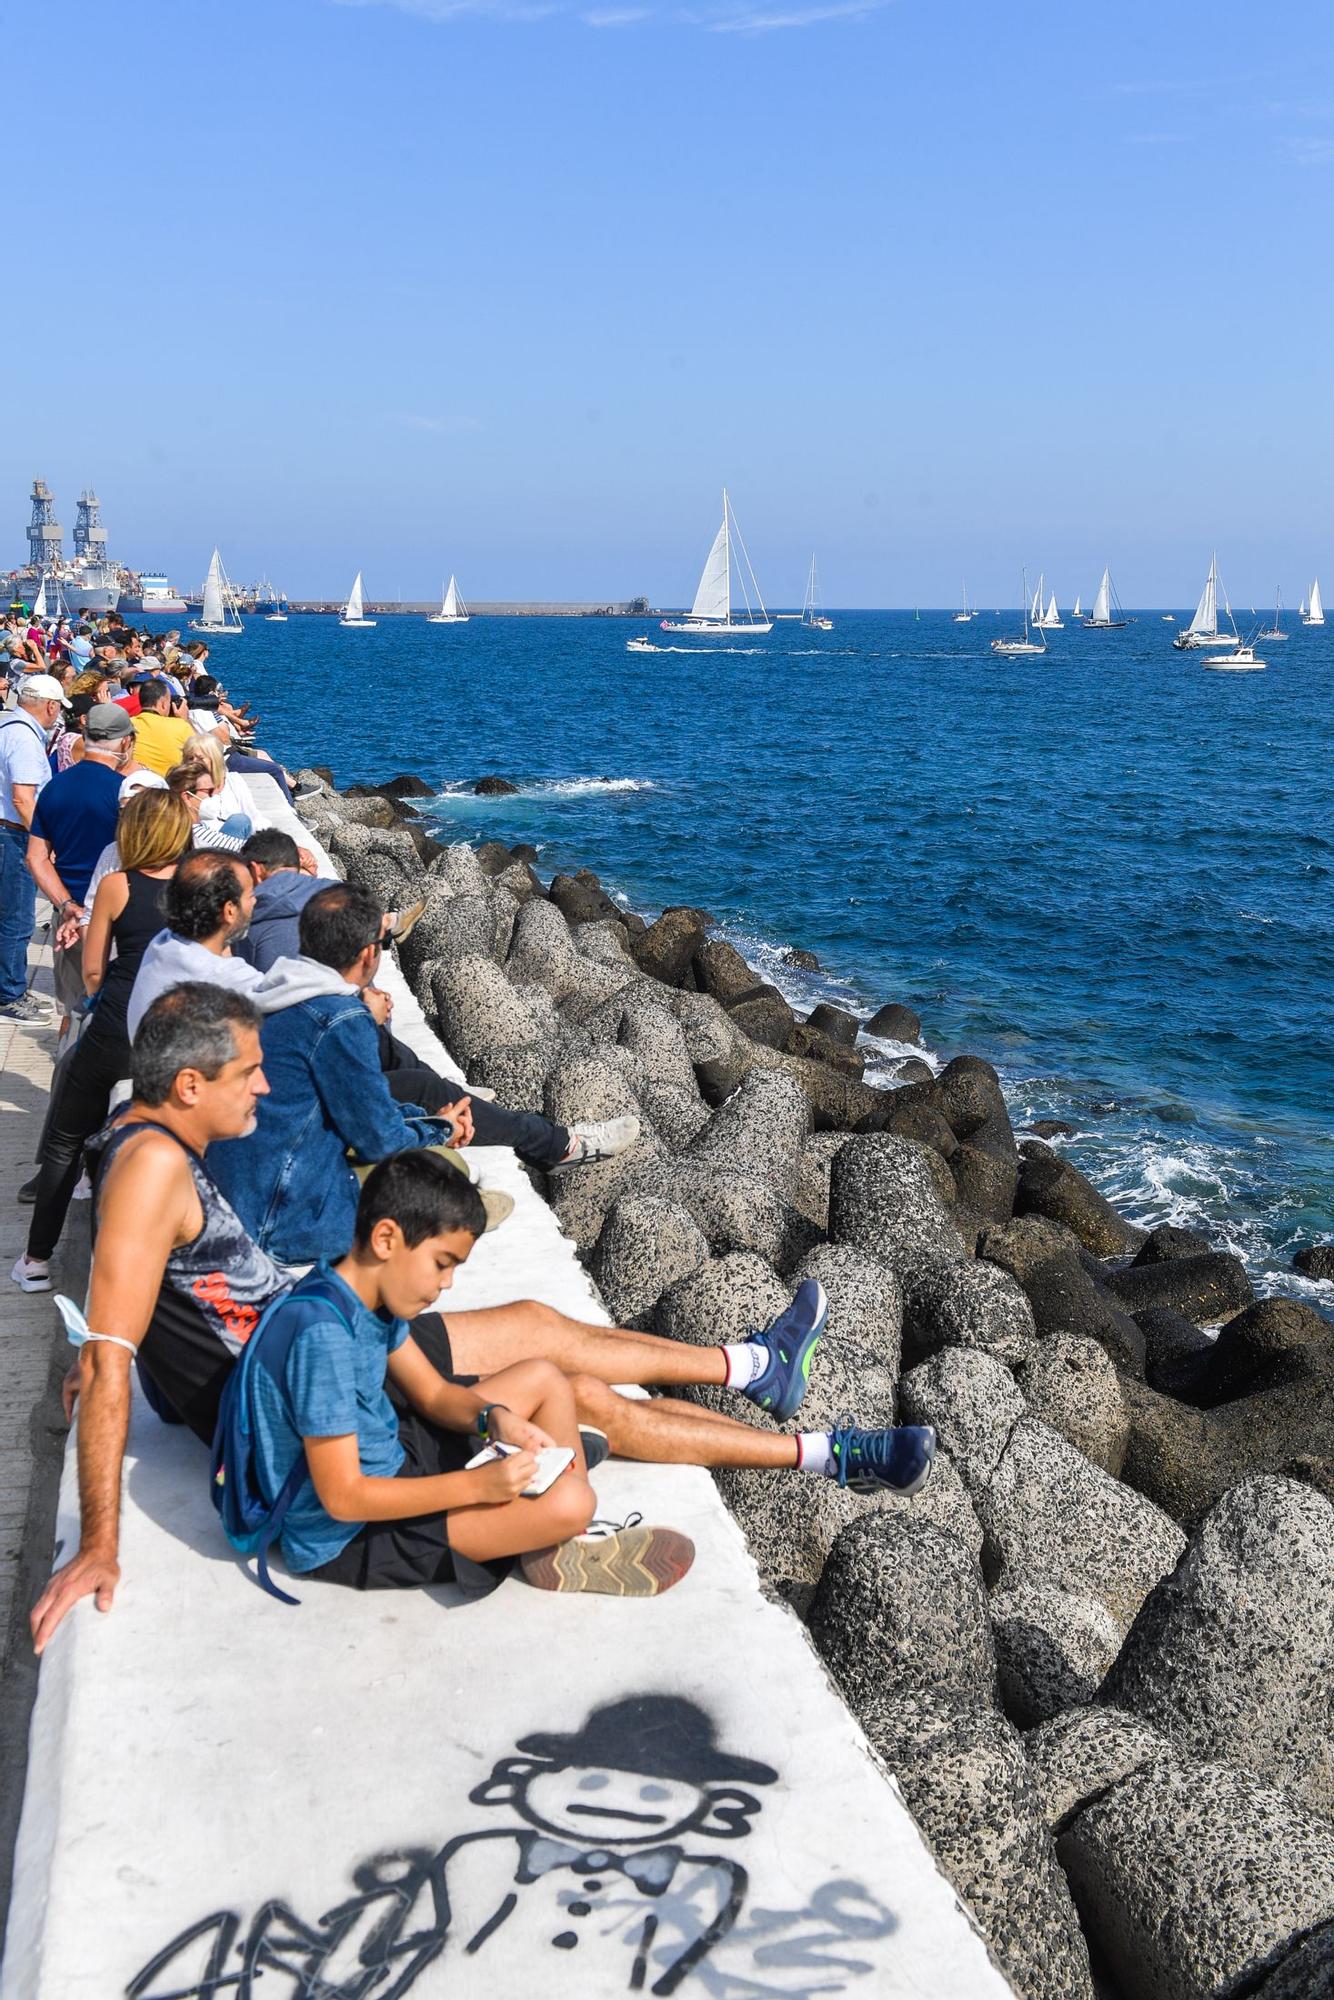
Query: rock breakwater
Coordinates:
[1098,1651]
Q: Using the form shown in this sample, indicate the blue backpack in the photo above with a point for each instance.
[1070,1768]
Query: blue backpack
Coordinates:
[251,1522]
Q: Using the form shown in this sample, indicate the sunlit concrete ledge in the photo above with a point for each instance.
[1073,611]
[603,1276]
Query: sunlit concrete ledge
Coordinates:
[367,1797]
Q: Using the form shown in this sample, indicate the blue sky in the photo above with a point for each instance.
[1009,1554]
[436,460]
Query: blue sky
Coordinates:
[512,288]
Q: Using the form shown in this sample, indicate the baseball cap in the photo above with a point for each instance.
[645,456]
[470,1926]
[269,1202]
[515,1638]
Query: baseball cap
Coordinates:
[42,687]
[141,781]
[107,724]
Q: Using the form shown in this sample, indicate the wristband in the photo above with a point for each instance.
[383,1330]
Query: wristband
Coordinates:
[484,1421]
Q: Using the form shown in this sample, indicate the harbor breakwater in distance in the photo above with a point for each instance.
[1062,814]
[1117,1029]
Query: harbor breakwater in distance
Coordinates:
[1097,1651]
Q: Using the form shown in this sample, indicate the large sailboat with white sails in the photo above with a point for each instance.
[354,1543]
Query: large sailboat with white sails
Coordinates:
[1106,614]
[1313,611]
[716,609]
[1203,628]
[453,611]
[354,611]
[219,610]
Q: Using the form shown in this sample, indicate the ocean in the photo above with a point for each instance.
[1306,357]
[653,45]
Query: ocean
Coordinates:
[1107,870]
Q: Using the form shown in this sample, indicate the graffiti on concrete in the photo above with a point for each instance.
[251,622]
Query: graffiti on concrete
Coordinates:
[598,1845]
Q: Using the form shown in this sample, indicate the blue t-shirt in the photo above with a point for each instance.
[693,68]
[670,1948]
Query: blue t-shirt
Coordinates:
[76,813]
[332,1386]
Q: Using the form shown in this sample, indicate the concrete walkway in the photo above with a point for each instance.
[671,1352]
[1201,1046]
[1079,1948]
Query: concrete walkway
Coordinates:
[525,1794]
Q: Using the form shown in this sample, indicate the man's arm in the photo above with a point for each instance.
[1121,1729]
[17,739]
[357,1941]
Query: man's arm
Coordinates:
[25,801]
[144,1212]
[346,1069]
[44,873]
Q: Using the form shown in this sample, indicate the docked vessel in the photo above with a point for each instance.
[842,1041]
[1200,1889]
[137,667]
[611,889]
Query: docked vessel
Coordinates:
[1203,632]
[153,594]
[90,582]
[713,611]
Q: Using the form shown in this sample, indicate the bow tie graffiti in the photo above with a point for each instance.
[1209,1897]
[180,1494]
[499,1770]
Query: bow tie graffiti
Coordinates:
[605,1861]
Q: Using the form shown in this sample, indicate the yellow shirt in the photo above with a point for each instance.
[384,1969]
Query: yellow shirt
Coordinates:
[160,740]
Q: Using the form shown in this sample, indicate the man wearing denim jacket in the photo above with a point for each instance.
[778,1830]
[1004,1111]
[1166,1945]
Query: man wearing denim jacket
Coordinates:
[292,1181]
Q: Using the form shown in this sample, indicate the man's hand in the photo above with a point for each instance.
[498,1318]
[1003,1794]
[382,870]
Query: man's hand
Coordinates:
[306,862]
[506,1428]
[503,1478]
[70,928]
[381,1004]
[460,1117]
[89,1573]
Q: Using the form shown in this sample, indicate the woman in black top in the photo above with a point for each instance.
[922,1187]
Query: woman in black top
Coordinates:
[152,834]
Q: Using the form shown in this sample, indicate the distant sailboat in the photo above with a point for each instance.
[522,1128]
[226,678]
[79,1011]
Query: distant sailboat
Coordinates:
[1050,619]
[219,612]
[1077,612]
[1203,628]
[1106,612]
[966,616]
[812,611]
[453,611]
[713,611]
[354,610]
[39,611]
[1314,613]
[1008,647]
[1276,631]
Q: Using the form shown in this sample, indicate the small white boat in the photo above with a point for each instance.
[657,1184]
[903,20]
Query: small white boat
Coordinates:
[453,611]
[1243,661]
[967,615]
[1106,614]
[1077,612]
[1169,618]
[1313,613]
[354,611]
[1275,631]
[640,645]
[219,612]
[712,612]
[1014,648]
[812,610]
[1203,632]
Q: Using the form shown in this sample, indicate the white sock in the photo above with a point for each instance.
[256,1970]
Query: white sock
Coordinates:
[745,1361]
[814,1451]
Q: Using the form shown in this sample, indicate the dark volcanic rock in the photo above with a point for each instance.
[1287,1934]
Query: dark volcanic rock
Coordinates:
[836,1022]
[1177,1353]
[1180,1458]
[581,899]
[1050,1128]
[1249,1346]
[968,1304]
[665,950]
[720,970]
[1044,1257]
[911,1069]
[805,1040]
[1165,1244]
[406,787]
[912,1112]
[523,850]
[494,857]
[1317,1261]
[764,1015]
[1232,1655]
[494,788]
[893,1023]
[1050,1186]
[805,961]
[974,1103]
[1194,1881]
[1208,1288]
[985,1182]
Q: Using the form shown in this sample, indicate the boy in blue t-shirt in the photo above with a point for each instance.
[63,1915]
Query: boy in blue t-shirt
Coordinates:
[390,1502]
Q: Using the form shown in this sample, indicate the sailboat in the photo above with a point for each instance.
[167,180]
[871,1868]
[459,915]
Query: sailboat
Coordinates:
[354,609]
[812,611]
[1024,645]
[1314,613]
[712,610]
[219,612]
[1050,619]
[39,613]
[1203,628]
[966,616]
[1106,612]
[1276,631]
[453,611]
[1077,612]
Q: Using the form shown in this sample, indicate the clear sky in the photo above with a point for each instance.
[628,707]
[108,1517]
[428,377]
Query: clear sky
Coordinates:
[937,287]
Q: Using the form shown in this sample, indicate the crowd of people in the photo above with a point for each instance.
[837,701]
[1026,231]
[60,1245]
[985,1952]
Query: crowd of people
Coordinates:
[275,1174]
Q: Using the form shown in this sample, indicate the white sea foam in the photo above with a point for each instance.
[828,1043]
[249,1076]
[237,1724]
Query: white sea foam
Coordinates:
[461,790]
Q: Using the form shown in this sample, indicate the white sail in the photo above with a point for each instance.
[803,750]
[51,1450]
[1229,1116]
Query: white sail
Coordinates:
[1102,603]
[353,607]
[1053,615]
[450,607]
[39,602]
[1077,612]
[713,599]
[214,602]
[1316,614]
[1205,622]
[1303,609]
[1035,608]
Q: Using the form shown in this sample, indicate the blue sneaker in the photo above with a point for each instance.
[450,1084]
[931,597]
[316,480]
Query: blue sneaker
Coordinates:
[791,1341]
[897,1459]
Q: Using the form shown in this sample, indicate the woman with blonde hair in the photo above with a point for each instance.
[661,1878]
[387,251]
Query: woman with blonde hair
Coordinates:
[152,834]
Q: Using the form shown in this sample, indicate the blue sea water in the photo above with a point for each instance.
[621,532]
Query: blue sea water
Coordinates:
[1107,870]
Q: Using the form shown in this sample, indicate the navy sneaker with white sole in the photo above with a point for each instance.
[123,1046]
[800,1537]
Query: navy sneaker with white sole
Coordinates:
[895,1460]
[791,1342]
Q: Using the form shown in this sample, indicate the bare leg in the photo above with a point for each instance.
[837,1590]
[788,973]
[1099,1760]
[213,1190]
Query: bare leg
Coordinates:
[495,1336]
[667,1432]
[541,1394]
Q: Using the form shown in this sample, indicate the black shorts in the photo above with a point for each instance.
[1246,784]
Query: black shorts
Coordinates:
[404,1555]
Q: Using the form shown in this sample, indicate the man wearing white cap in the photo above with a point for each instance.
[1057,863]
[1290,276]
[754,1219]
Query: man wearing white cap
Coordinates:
[23,772]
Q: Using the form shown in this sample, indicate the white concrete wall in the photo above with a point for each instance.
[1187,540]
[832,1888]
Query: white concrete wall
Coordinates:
[215,1775]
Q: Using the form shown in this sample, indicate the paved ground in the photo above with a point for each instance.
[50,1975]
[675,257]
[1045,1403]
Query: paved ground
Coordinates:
[32,1428]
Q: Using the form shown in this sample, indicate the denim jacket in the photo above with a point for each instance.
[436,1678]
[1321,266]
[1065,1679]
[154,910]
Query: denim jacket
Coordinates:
[291,1181]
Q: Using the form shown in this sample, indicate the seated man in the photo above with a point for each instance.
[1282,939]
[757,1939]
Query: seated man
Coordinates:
[177,1282]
